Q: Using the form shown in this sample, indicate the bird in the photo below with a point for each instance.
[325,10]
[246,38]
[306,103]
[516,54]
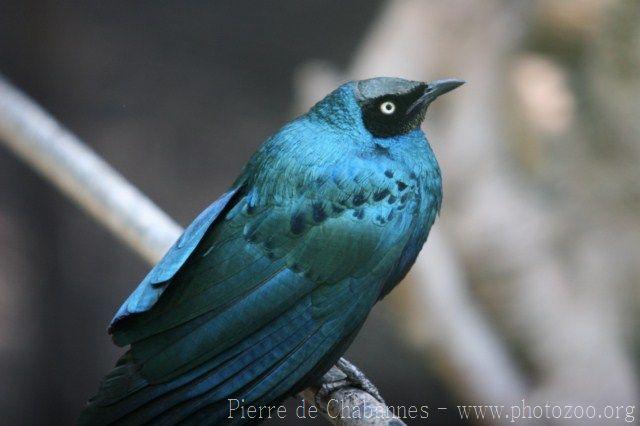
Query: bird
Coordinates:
[268,286]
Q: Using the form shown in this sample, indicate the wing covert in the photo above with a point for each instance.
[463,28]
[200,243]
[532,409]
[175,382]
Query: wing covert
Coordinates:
[153,285]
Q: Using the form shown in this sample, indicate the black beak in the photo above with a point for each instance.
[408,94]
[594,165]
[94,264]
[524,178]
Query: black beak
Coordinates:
[432,91]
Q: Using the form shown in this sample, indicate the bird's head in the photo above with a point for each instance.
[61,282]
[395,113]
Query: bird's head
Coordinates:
[394,106]
[384,106]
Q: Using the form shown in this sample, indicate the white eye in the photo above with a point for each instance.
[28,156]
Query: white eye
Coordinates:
[387,108]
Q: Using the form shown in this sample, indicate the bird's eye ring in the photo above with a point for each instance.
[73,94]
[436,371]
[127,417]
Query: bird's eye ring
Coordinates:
[387,107]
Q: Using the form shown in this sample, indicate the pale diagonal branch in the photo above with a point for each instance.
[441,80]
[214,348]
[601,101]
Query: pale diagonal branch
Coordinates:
[61,157]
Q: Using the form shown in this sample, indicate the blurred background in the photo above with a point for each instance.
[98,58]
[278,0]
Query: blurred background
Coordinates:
[529,286]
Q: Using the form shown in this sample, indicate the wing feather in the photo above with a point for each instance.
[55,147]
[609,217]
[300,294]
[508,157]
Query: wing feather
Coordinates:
[266,292]
[153,285]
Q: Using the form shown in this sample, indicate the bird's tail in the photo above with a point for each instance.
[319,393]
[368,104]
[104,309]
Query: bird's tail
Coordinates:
[125,397]
[257,371]
[261,369]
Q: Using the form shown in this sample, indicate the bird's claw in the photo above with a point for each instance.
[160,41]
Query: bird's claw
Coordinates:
[358,379]
[342,375]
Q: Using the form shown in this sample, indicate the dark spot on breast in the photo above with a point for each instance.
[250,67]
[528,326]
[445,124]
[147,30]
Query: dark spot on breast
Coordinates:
[379,195]
[297,223]
[390,215]
[404,198]
[337,209]
[413,176]
[381,150]
[343,200]
[401,185]
[392,199]
[380,219]
[359,199]
[358,213]
[388,173]
[318,213]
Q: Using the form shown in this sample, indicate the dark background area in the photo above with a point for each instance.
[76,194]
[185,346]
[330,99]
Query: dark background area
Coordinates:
[176,96]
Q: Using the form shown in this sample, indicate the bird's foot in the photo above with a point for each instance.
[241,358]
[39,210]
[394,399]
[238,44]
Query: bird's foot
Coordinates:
[358,379]
[345,374]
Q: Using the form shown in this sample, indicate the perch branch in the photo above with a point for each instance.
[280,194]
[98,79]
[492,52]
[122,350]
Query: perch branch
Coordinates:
[61,157]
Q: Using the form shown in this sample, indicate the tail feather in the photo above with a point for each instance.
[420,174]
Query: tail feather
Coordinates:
[261,368]
[265,388]
[125,396]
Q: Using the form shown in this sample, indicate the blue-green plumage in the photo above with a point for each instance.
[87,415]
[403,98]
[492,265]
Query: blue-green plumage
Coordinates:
[268,286]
